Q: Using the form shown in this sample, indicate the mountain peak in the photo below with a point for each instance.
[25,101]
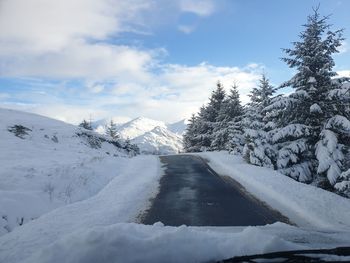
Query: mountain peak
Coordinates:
[138,126]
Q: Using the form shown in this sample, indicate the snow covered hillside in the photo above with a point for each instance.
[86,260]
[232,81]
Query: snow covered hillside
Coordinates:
[152,136]
[159,141]
[47,163]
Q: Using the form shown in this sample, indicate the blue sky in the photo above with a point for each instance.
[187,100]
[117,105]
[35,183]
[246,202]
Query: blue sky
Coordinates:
[160,59]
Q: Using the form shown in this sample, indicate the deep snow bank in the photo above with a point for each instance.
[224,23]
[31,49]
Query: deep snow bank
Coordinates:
[120,201]
[139,243]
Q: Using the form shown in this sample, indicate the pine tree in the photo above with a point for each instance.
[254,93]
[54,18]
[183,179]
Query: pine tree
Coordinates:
[131,148]
[333,147]
[227,122]
[190,137]
[199,134]
[304,113]
[204,127]
[111,130]
[86,125]
[257,149]
[215,102]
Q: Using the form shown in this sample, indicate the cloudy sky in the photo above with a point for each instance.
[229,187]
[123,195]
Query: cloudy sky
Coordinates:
[70,59]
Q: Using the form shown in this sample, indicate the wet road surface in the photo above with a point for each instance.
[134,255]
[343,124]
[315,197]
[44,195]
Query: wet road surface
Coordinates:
[191,193]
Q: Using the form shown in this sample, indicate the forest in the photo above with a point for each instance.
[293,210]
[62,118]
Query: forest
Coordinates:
[303,133]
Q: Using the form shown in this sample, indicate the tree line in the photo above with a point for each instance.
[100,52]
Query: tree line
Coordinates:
[304,135]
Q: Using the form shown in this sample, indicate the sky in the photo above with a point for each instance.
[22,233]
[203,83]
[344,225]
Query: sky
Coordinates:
[76,59]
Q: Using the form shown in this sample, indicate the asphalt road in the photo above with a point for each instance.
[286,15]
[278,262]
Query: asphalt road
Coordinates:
[191,193]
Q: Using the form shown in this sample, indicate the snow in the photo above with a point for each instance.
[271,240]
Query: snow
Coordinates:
[138,126]
[339,122]
[291,130]
[281,102]
[151,136]
[159,141]
[344,186]
[178,128]
[130,242]
[315,108]
[49,167]
[305,205]
[329,155]
[85,203]
[290,152]
[100,125]
[158,243]
[311,80]
[121,200]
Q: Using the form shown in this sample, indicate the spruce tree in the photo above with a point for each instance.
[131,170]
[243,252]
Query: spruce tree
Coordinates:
[225,130]
[208,117]
[257,149]
[333,147]
[190,138]
[111,130]
[200,131]
[86,125]
[215,102]
[304,113]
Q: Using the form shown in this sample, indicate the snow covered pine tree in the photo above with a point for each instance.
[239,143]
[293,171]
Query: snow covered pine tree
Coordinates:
[257,149]
[86,125]
[227,129]
[314,129]
[190,137]
[111,130]
[199,134]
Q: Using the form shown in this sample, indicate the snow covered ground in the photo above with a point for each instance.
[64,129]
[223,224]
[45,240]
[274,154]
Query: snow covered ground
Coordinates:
[121,200]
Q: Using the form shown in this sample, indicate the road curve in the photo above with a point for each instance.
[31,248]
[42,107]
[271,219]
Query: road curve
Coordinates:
[191,193]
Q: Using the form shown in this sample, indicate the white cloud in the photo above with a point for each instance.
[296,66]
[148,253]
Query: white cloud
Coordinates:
[173,93]
[195,83]
[96,88]
[65,40]
[343,48]
[49,25]
[343,73]
[69,39]
[198,7]
[187,29]
[81,60]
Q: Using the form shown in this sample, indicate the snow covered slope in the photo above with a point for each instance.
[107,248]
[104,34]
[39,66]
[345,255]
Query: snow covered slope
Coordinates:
[47,163]
[159,141]
[178,127]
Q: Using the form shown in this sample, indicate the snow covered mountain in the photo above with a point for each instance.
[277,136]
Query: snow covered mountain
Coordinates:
[138,127]
[178,127]
[152,136]
[159,141]
[99,126]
